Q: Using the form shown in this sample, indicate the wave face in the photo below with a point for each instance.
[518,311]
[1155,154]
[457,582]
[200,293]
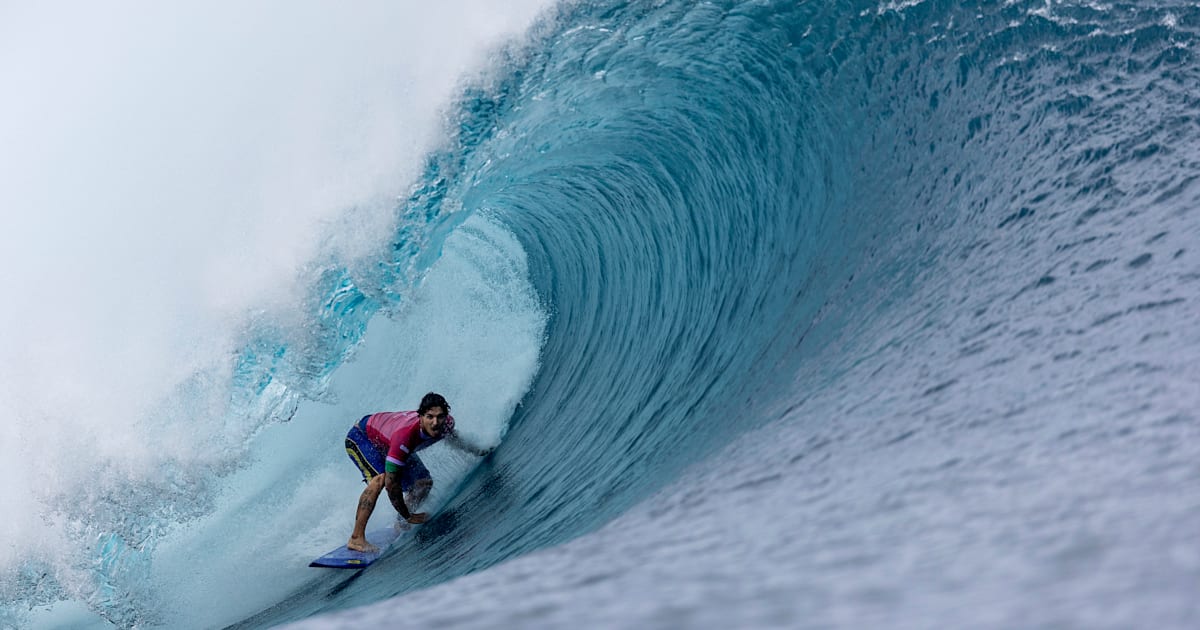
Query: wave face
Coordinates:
[861,315]
[847,314]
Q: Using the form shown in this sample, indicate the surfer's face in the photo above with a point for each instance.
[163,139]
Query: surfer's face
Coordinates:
[434,421]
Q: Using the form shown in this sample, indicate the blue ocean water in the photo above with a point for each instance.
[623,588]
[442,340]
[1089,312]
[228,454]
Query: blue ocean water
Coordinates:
[820,314]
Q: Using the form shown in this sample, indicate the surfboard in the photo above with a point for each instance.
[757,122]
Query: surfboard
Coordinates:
[345,558]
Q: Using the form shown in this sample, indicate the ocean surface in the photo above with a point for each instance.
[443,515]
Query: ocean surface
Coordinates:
[778,314]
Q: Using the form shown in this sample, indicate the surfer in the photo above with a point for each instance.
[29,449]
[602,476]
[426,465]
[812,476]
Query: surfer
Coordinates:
[384,445]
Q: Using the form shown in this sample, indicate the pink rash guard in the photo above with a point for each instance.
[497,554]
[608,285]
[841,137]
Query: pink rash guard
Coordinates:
[399,434]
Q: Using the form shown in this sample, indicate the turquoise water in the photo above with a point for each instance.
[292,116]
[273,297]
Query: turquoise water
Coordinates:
[780,315]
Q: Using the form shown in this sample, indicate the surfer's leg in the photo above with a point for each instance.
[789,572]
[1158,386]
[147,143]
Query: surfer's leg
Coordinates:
[366,505]
[420,491]
[369,461]
[417,481]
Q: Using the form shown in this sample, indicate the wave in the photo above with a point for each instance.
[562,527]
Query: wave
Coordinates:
[779,281]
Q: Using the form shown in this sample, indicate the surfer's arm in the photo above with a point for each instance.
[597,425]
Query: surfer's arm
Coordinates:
[459,443]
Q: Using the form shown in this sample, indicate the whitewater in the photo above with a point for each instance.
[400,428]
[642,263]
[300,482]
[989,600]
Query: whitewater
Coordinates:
[776,314]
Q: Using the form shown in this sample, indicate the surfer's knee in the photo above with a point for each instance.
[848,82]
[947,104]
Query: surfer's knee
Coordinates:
[420,490]
[375,485]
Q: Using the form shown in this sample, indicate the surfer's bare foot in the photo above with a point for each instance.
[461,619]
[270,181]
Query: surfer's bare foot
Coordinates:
[361,544]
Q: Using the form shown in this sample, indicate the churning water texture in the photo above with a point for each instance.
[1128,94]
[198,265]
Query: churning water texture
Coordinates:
[782,314]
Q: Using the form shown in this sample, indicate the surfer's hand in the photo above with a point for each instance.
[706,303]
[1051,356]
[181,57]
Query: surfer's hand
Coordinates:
[418,518]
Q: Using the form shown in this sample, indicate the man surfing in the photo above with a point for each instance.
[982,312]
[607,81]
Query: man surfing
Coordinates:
[384,446]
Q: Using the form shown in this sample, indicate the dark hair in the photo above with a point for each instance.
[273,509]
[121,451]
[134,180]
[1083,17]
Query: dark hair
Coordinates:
[431,400]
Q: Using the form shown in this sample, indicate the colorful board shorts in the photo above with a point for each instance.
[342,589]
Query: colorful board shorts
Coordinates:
[370,460]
